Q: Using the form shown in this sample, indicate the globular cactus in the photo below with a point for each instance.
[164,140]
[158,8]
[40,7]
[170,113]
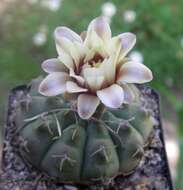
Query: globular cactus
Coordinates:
[72,150]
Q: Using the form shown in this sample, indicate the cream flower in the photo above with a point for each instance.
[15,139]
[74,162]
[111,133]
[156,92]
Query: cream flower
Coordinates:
[94,66]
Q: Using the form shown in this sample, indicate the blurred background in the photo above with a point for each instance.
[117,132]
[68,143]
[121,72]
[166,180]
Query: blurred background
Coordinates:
[26,39]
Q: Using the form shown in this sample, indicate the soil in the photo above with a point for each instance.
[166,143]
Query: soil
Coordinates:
[151,174]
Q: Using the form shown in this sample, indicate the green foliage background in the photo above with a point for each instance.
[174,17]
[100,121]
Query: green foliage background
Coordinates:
[158,27]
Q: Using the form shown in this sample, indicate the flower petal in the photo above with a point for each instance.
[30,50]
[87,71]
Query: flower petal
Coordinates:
[90,54]
[112,96]
[95,44]
[92,71]
[65,45]
[66,59]
[93,77]
[108,67]
[129,95]
[79,78]
[54,84]
[97,76]
[53,65]
[87,104]
[120,45]
[69,42]
[78,51]
[101,27]
[128,41]
[98,36]
[133,72]
[65,32]
[95,83]
[72,87]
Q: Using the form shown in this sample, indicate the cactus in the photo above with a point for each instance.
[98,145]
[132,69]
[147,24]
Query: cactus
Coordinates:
[72,150]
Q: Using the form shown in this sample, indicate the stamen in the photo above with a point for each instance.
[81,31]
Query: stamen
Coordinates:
[95,60]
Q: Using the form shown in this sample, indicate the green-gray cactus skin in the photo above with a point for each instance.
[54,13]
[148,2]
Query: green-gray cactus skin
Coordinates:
[59,143]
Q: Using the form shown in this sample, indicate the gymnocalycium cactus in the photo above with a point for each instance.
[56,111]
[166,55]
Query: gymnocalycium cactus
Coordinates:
[97,129]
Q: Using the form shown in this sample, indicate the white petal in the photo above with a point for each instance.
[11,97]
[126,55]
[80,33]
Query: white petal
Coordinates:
[94,78]
[87,104]
[98,36]
[74,50]
[112,96]
[122,44]
[92,72]
[101,27]
[79,79]
[108,67]
[114,49]
[78,52]
[69,42]
[96,44]
[65,45]
[128,40]
[133,72]
[54,84]
[129,95]
[53,65]
[66,59]
[95,83]
[72,87]
[80,48]
[90,54]
[104,72]
[65,32]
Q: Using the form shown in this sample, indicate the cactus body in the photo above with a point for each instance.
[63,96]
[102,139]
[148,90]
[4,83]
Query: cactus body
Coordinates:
[63,146]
